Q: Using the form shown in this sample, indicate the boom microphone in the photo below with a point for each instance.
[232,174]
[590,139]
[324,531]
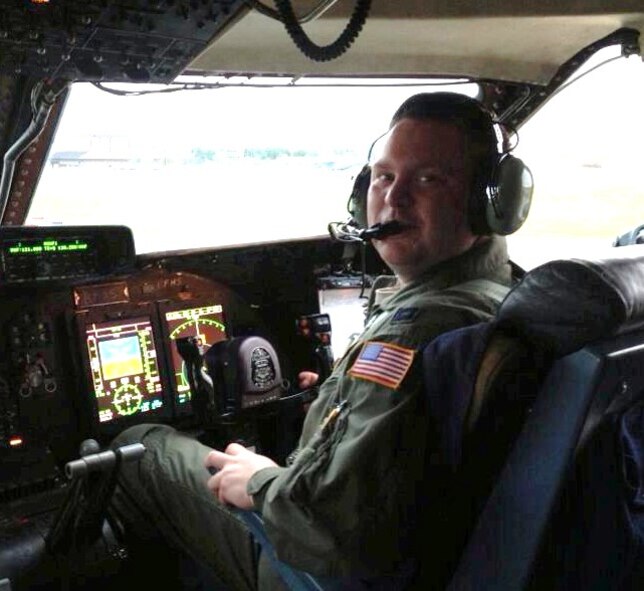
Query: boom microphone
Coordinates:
[378,231]
[350,232]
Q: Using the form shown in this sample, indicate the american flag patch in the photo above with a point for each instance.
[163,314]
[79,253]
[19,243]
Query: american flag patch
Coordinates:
[383,363]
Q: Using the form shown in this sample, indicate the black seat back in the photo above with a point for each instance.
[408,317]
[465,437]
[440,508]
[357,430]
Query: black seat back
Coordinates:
[581,324]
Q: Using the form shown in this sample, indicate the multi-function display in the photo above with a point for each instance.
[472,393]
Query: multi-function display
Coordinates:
[124,368]
[206,325]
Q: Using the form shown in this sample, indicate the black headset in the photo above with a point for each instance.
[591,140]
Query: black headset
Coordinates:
[502,186]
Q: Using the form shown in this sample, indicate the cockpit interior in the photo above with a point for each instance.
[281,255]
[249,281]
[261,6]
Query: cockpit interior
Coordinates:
[98,334]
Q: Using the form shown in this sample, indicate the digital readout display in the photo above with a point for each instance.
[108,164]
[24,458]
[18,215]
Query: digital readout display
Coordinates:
[39,247]
[206,324]
[124,368]
[33,259]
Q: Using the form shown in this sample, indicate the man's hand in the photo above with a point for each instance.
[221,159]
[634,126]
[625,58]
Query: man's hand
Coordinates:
[307,379]
[234,466]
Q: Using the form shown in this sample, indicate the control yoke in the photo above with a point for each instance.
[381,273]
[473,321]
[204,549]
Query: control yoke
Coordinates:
[231,376]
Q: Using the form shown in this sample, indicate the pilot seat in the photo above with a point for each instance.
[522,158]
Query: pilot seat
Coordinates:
[537,481]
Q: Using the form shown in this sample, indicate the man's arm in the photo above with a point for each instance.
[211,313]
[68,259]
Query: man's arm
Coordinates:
[348,503]
[234,467]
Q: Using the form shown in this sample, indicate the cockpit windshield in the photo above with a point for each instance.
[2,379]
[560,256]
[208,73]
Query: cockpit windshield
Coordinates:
[212,162]
[215,162]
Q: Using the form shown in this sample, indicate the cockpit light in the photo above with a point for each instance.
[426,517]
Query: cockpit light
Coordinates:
[15,441]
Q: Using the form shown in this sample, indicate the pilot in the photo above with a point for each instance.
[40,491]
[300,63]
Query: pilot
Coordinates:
[345,507]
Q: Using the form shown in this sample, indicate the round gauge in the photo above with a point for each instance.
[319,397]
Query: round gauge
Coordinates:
[127,399]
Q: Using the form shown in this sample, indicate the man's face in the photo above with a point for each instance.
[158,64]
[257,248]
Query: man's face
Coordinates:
[420,179]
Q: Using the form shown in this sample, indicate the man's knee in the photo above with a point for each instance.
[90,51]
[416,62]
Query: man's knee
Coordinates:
[136,476]
[172,460]
[138,434]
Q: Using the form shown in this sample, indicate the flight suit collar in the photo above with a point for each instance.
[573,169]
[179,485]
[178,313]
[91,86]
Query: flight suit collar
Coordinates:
[489,260]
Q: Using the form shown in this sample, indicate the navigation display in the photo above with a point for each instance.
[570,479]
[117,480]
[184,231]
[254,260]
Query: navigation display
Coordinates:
[206,324]
[124,368]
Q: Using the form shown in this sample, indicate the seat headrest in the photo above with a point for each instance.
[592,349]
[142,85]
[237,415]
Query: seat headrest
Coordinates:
[566,304]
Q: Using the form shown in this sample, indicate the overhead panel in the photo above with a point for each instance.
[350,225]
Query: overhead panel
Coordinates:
[129,41]
[501,39]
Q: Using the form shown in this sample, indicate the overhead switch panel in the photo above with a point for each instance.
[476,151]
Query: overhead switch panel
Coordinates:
[128,41]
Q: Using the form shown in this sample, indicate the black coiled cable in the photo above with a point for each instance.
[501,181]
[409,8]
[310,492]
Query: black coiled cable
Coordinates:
[328,52]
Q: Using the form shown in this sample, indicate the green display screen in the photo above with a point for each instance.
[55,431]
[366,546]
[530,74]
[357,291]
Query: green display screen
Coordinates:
[36,247]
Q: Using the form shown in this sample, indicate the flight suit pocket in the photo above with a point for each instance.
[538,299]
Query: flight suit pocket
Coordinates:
[313,461]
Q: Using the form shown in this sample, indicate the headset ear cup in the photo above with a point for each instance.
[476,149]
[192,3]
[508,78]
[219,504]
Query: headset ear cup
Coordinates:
[510,196]
[357,204]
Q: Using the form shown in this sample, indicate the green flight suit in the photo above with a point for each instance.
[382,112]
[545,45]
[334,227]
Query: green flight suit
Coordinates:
[345,503]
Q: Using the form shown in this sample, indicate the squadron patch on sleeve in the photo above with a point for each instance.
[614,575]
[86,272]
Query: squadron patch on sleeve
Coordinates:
[383,363]
[403,315]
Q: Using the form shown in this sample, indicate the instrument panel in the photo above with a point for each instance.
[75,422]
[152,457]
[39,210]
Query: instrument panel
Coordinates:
[102,356]
[85,360]
[129,360]
[89,345]
[89,339]
[77,362]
